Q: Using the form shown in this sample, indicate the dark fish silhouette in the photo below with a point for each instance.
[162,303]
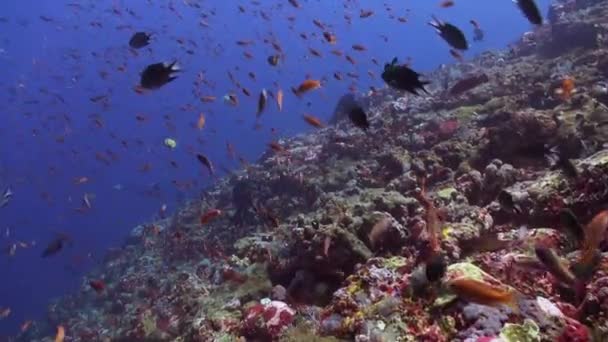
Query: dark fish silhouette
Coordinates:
[273,60]
[530,10]
[556,156]
[262,102]
[139,40]
[54,246]
[505,199]
[403,78]
[349,105]
[435,268]
[358,117]
[572,225]
[451,34]
[206,162]
[158,74]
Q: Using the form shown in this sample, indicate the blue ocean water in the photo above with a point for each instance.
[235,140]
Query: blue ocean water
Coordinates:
[58,55]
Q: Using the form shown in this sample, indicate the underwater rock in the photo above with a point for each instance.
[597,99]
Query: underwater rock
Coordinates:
[569,36]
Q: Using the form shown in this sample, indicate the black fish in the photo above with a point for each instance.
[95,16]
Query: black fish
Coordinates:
[505,199]
[349,105]
[403,78]
[206,162]
[435,268]
[54,247]
[273,60]
[262,102]
[139,40]
[572,225]
[530,10]
[358,117]
[451,34]
[158,74]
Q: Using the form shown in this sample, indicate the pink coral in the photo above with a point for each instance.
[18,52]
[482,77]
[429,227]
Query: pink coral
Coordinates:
[448,128]
[574,332]
[267,320]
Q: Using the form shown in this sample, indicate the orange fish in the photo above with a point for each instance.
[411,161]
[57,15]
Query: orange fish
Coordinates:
[567,89]
[210,215]
[60,334]
[359,47]
[446,4]
[594,235]
[208,98]
[280,99]
[313,121]
[307,85]
[432,217]
[201,121]
[483,293]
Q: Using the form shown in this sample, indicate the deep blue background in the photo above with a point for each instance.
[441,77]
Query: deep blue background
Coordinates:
[43,61]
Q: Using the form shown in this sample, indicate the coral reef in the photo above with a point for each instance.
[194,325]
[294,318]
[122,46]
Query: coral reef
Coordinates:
[330,239]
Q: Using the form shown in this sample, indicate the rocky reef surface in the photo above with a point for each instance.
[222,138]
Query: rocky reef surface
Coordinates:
[327,238]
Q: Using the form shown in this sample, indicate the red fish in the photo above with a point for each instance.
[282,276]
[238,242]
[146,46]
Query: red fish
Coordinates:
[98,285]
[210,215]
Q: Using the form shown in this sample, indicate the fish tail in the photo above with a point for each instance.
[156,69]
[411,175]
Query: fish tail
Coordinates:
[513,301]
[435,22]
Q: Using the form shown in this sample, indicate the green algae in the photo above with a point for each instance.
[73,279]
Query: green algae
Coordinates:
[461,269]
[394,262]
[466,113]
[448,325]
[467,270]
[526,332]
[446,193]
[148,323]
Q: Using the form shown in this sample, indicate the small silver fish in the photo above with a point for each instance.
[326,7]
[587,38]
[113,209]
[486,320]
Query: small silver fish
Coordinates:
[6,197]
